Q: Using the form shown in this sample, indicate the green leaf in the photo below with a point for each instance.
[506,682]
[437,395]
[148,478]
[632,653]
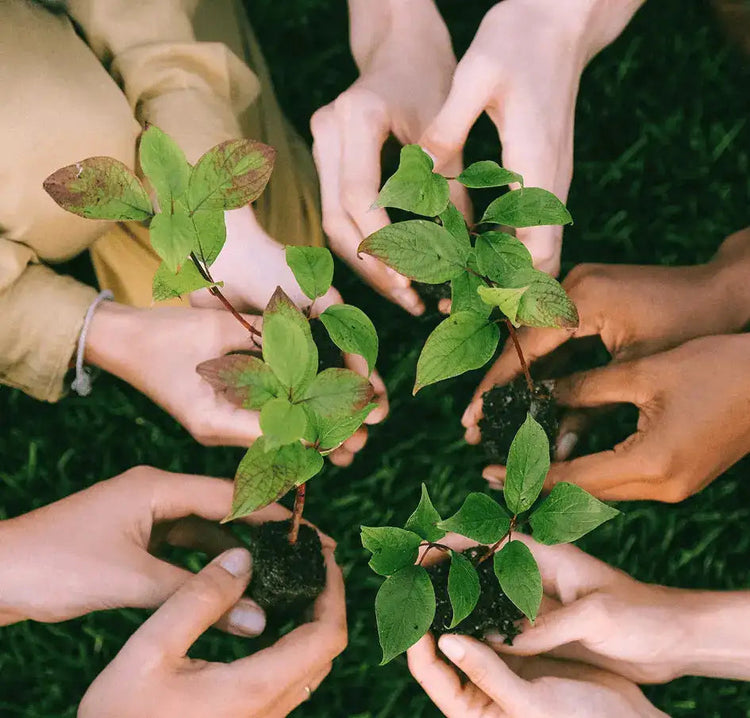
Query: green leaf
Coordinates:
[352,331]
[265,476]
[330,432]
[487,174]
[312,268]
[544,303]
[414,186]
[164,163]
[244,380]
[527,466]
[480,518]
[288,346]
[462,342]
[168,284]
[100,188]
[210,235]
[464,296]
[404,609]
[173,236]
[506,300]
[527,207]
[336,393]
[391,548]
[568,513]
[499,255]
[230,175]
[517,571]
[455,223]
[425,518]
[463,587]
[418,249]
[282,422]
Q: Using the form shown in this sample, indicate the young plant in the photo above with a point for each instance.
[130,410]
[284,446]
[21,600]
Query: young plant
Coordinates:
[304,413]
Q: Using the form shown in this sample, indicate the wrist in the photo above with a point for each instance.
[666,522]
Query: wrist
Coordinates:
[111,336]
[9,575]
[730,282]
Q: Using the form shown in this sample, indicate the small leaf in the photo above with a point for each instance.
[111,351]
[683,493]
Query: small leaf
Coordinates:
[425,518]
[288,346]
[210,235]
[568,513]
[282,422]
[391,548]
[464,296]
[499,255]
[173,236]
[463,587]
[414,187]
[506,300]
[230,175]
[331,432]
[487,174]
[544,303]
[168,284]
[352,331]
[265,476]
[313,269]
[527,207]
[480,518]
[462,342]
[404,609]
[527,466]
[244,380]
[418,249]
[164,163]
[455,223]
[517,571]
[336,393]
[100,188]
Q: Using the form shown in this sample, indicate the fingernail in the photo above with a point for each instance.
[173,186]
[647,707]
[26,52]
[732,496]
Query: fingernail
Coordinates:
[429,154]
[565,445]
[452,647]
[247,618]
[236,561]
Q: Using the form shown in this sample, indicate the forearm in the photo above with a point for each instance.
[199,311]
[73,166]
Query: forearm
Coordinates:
[730,271]
[10,573]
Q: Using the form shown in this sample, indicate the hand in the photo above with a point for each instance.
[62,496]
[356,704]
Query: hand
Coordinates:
[90,551]
[644,632]
[523,69]
[153,676]
[406,61]
[693,423]
[532,688]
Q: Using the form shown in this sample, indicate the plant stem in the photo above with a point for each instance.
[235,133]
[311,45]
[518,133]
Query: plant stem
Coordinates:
[299,507]
[496,546]
[522,359]
[431,545]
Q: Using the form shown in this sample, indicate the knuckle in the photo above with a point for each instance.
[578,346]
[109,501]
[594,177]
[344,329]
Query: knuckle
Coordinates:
[362,104]
[355,198]
[334,226]
[321,120]
[674,491]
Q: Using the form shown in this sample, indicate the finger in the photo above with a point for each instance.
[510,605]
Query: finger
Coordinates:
[611,384]
[429,556]
[358,364]
[199,534]
[573,425]
[357,440]
[282,706]
[341,457]
[444,305]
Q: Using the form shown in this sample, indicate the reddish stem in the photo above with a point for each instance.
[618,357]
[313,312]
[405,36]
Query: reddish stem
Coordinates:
[299,507]
[496,546]
[522,359]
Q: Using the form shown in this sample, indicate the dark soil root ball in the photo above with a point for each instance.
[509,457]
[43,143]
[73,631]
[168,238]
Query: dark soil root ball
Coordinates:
[431,294]
[329,355]
[494,612]
[505,410]
[286,578]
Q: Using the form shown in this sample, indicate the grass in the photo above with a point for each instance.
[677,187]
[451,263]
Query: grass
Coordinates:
[662,176]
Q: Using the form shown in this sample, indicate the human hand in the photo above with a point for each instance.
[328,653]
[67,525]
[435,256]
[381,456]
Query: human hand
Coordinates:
[405,59]
[90,551]
[693,421]
[531,688]
[153,676]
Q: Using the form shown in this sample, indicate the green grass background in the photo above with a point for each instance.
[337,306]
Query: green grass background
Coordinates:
[661,176]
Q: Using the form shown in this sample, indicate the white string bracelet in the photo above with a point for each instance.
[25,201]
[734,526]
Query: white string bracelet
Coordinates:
[81,385]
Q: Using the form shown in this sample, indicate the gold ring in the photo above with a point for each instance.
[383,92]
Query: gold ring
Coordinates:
[308,690]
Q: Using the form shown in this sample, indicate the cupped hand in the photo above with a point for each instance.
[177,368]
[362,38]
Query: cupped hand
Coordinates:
[91,551]
[153,676]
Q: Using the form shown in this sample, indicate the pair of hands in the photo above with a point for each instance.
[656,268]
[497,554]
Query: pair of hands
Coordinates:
[95,548]
[668,330]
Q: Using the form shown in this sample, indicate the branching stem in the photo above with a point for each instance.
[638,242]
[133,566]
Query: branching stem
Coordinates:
[299,507]
[496,546]
[521,358]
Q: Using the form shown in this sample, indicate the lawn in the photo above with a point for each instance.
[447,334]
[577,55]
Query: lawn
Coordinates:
[661,176]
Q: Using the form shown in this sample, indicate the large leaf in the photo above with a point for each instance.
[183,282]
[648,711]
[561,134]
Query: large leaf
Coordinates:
[544,303]
[312,268]
[465,297]
[517,571]
[455,223]
[265,476]
[487,173]
[100,188]
[164,163]
[288,346]
[414,186]
[506,300]
[527,466]
[230,175]
[391,548]
[173,236]
[425,519]
[210,235]
[463,587]
[527,207]
[462,342]
[499,255]
[244,380]
[336,393]
[418,249]
[568,513]
[404,609]
[352,331]
[168,284]
[480,518]
[330,432]
[282,422]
